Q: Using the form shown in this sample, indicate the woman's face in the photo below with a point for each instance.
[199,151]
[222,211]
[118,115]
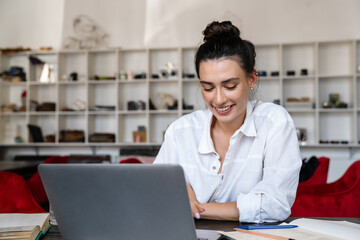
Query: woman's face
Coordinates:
[225,87]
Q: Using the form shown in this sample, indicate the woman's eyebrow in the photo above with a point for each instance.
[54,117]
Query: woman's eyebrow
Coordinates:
[223,82]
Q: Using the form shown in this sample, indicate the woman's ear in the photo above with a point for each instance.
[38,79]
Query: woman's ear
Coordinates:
[253,79]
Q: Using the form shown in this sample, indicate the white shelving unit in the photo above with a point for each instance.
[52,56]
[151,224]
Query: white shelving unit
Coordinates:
[332,67]
[113,92]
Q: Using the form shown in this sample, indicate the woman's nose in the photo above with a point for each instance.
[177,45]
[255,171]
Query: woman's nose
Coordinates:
[220,97]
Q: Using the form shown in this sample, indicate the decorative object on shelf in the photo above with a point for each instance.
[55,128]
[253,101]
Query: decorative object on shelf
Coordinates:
[333,98]
[155,76]
[18,139]
[46,107]
[326,104]
[88,35]
[274,73]
[78,105]
[50,138]
[140,75]
[334,142]
[105,108]
[130,75]
[48,72]
[74,76]
[35,133]
[334,102]
[9,51]
[23,101]
[301,135]
[151,105]
[96,77]
[304,72]
[131,105]
[33,105]
[141,105]
[122,75]
[189,75]
[136,105]
[290,73]
[72,136]
[167,101]
[139,135]
[276,101]
[303,102]
[9,108]
[102,137]
[46,48]
[187,107]
[14,74]
[35,61]
[262,73]
[169,72]
[341,105]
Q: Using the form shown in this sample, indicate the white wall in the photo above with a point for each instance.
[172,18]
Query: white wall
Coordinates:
[151,23]
[31,23]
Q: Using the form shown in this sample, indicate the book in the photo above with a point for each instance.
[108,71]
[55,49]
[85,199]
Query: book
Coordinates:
[308,229]
[24,226]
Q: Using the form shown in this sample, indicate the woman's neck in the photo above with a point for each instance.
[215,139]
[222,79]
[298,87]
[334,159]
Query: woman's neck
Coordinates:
[228,128]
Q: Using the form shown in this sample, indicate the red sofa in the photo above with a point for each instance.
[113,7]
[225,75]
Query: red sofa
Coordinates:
[316,198]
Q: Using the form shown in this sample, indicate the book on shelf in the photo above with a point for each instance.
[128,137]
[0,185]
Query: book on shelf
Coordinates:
[24,226]
[308,229]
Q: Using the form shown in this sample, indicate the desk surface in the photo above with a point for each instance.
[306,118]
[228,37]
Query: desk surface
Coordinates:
[54,234]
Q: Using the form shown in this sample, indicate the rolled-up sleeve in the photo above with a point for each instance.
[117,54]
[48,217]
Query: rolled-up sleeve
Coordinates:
[271,199]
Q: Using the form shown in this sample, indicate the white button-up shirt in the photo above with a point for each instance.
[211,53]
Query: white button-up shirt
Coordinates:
[261,167]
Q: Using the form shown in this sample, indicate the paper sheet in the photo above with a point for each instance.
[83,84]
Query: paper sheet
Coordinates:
[21,220]
[339,229]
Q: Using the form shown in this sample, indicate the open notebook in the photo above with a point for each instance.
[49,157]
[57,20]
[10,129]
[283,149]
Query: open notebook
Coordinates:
[308,229]
[29,226]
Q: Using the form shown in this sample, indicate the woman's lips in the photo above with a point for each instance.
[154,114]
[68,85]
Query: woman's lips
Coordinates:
[223,110]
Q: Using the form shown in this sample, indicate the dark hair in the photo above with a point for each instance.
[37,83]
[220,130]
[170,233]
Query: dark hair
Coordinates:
[222,40]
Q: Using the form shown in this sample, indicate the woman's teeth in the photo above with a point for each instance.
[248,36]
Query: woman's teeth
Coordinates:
[222,109]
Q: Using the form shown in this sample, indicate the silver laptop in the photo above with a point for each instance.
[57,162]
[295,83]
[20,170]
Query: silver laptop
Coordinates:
[124,201]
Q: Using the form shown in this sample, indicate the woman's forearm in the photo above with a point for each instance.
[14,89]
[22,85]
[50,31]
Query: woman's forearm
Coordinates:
[220,211]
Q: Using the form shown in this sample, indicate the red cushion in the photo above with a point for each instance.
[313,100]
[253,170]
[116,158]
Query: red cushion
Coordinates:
[130,160]
[35,184]
[15,196]
[337,199]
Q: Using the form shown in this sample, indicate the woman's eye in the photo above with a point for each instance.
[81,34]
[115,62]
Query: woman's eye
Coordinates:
[208,89]
[231,87]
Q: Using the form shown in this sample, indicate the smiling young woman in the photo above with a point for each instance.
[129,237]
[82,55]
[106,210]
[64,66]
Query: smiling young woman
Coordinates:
[240,157]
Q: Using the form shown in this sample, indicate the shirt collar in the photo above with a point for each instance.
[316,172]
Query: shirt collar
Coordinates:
[248,129]
[206,144]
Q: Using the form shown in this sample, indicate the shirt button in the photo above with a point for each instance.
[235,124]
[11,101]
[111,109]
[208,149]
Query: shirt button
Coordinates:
[214,167]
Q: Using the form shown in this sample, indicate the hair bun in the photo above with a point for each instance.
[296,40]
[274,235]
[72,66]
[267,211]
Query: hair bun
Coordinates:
[220,30]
